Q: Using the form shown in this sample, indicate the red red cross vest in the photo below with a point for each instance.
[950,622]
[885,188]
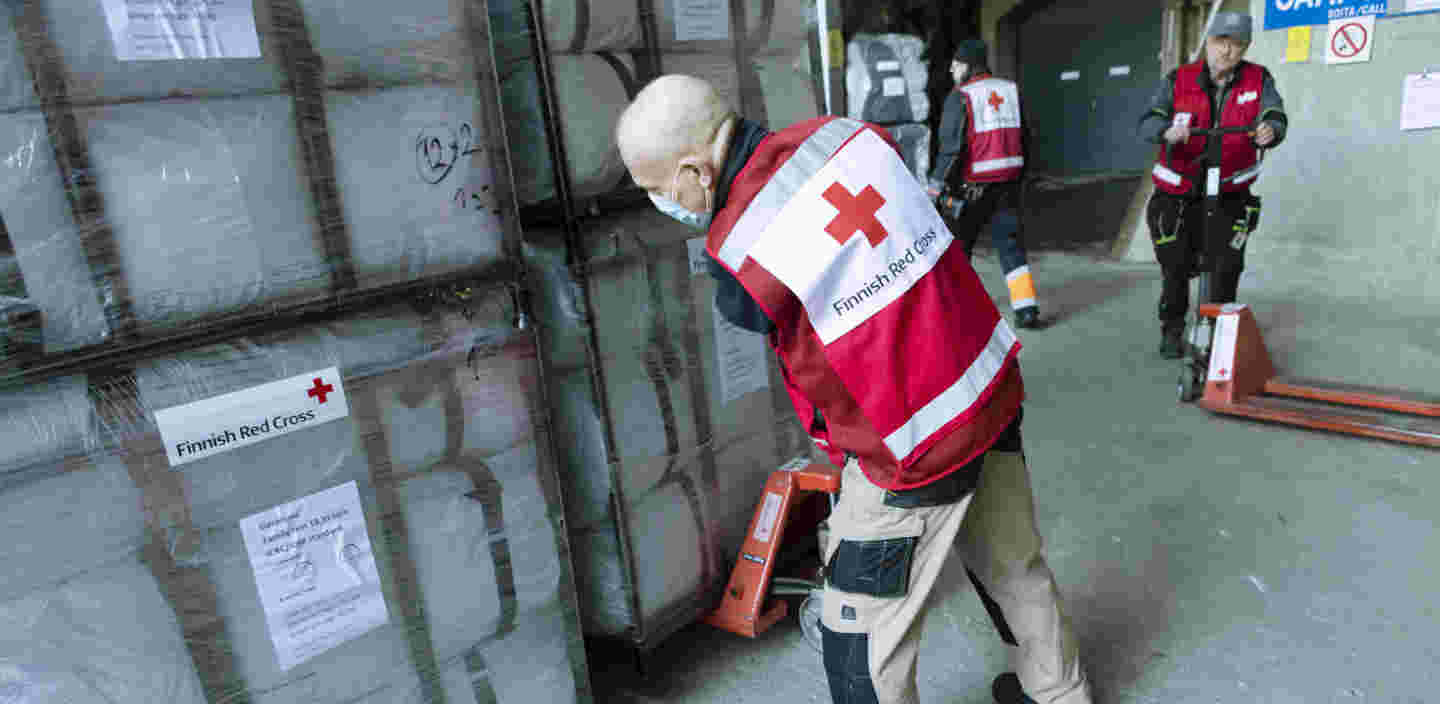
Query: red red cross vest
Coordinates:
[1238,157]
[992,131]
[881,324]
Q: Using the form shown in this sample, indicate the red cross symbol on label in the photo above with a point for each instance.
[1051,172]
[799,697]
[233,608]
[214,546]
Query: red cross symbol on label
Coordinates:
[995,100]
[319,390]
[1224,372]
[856,213]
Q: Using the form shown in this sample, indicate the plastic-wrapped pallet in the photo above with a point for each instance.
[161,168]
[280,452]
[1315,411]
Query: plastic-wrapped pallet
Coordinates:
[694,414]
[591,92]
[914,141]
[885,78]
[778,94]
[788,89]
[343,151]
[577,26]
[442,446]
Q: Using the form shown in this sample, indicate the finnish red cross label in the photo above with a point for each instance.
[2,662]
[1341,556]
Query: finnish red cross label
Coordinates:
[209,427]
[858,235]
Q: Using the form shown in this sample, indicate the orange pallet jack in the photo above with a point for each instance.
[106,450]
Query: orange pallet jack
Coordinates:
[750,605]
[1242,382]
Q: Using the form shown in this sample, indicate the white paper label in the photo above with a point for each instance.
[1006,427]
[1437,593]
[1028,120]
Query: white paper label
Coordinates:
[740,357]
[1070,76]
[1222,354]
[1420,108]
[1119,70]
[315,572]
[893,86]
[1212,181]
[696,245]
[1182,119]
[887,66]
[769,514]
[701,20]
[158,30]
[231,421]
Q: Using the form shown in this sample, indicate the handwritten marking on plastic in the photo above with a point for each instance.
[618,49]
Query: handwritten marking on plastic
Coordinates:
[438,150]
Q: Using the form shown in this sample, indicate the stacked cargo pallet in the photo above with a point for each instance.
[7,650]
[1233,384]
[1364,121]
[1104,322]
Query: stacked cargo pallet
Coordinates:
[885,78]
[672,418]
[199,224]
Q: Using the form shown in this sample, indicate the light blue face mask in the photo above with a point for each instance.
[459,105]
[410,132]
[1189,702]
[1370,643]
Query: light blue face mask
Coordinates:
[686,216]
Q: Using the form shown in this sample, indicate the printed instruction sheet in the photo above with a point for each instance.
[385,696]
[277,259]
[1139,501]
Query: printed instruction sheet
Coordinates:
[316,573]
[1421,107]
[161,30]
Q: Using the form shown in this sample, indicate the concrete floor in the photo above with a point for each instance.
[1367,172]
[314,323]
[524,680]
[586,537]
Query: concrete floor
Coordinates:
[1204,559]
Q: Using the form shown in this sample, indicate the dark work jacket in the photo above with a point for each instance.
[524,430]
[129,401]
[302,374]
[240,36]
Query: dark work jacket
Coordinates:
[733,301]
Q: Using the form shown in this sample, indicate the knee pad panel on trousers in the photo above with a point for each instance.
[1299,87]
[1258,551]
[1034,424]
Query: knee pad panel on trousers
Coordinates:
[847,666]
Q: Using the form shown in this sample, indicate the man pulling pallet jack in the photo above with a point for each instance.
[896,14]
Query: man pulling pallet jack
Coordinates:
[1213,118]
[1231,373]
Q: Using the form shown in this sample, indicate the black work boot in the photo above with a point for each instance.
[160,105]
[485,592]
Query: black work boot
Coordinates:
[1172,342]
[1007,690]
[1028,318]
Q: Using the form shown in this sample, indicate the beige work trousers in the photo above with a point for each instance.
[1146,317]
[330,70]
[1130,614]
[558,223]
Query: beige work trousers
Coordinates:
[993,530]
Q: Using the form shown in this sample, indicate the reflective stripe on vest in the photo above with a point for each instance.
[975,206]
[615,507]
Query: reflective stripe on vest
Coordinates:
[809,158]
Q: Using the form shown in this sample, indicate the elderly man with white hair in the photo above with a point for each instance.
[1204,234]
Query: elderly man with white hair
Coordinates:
[898,363]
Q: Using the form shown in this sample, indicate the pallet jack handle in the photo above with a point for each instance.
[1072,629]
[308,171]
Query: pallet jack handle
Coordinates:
[748,607]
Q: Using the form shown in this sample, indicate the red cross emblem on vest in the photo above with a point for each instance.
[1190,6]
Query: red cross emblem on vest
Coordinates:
[857,212]
[995,100]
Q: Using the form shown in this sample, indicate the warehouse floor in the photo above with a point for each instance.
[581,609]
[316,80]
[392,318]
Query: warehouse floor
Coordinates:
[1204,559]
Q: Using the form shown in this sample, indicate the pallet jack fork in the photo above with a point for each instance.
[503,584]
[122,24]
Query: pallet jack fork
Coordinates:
[749,607]
[1242,382]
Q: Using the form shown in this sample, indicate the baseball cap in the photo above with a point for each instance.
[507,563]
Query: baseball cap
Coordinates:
[1231,24]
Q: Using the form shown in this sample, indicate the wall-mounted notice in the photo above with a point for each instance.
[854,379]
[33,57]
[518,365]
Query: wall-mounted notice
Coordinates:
[1280,14]
[1119,70]
[315,572]
[1297,45]
[1070,76]
[231,421]
[1421,109]
[699,20]
[160,30]
[740,356]
[1350,40]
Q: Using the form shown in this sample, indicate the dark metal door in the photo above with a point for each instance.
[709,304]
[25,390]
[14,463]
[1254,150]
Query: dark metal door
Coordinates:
[1087,69]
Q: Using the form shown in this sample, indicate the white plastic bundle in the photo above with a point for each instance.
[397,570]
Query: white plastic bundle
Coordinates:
[885,78]
[207,202]
[788,89]
[914,143]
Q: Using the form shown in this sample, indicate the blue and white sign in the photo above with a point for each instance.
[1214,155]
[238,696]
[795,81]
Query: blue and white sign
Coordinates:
[1293,13]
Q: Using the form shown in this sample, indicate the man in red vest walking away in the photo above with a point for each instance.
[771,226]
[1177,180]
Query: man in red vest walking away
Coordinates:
[981,161]
[1221,90]
[898,363]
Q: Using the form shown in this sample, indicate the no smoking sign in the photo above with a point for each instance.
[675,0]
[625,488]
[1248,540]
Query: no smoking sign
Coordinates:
[1350,40]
